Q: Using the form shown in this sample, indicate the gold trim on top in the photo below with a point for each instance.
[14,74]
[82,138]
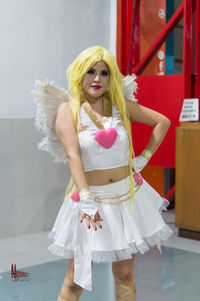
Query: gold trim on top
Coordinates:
[107,108]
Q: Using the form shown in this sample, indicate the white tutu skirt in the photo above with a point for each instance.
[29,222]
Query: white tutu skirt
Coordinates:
[122,233]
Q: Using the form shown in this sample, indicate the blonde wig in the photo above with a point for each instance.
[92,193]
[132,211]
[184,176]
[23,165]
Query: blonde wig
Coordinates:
[75,73]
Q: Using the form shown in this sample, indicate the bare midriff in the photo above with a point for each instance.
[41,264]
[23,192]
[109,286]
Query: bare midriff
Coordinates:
[106,176]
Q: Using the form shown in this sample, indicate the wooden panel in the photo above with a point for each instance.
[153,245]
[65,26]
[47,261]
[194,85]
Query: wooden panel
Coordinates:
[189,234]
[188,176]
[193,125]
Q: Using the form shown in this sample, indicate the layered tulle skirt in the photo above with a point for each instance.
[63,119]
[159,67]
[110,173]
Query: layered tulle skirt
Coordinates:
[123,232]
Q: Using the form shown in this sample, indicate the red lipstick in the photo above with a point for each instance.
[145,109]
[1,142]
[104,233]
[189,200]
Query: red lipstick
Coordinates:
[96,87]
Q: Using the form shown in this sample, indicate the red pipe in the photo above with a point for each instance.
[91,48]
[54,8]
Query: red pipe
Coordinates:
[187,47]
[170,193]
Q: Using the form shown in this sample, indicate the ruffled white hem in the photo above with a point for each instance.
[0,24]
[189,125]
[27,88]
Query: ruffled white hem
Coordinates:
[122,233]
[164,205]
[115,255]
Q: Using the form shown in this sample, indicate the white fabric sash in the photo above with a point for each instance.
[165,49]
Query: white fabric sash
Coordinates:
[82,257]
[83,248]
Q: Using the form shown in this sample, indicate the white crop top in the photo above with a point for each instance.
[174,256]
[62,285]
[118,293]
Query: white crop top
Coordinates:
[96,157]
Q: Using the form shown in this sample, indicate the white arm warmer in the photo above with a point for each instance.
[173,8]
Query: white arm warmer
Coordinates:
[138,163]
[87,205]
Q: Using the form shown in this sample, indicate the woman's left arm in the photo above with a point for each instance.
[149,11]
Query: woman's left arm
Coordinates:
[159,122]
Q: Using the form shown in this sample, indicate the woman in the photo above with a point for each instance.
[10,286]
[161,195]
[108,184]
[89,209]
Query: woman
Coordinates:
[108,214]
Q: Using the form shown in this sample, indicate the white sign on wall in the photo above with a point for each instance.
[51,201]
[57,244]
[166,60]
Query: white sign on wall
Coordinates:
[190,110]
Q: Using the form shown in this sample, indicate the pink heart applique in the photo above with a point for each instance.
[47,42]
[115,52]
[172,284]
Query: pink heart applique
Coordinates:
[106,138]
[75,196]
[138,178]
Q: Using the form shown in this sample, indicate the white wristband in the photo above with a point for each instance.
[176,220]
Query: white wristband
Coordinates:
[138,163]
[88,206]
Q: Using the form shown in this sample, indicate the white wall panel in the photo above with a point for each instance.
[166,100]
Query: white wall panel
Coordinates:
[39,39]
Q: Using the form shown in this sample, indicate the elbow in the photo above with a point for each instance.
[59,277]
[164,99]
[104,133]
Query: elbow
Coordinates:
[166,123]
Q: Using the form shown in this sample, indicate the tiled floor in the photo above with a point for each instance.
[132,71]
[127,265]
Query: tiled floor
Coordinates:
[173,275]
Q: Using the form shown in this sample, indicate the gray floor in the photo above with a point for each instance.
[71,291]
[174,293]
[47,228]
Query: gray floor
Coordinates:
[173,274]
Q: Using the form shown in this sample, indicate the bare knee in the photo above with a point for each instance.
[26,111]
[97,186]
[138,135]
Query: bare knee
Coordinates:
[74,288]
[124,275]
[123,271]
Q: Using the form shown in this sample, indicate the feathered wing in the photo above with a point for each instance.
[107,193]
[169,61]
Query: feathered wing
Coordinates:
[130,87]
[48,97]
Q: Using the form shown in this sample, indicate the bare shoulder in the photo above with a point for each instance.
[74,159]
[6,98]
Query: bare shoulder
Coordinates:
[130,104]
[133,108]
[64,118]
[64,108]
[143,114]
[66,129]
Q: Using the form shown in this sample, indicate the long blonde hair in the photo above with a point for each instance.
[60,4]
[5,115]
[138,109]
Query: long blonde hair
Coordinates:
[75,73]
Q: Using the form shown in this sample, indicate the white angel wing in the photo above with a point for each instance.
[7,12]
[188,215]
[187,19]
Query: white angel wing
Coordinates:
[130,87]
[48,97]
